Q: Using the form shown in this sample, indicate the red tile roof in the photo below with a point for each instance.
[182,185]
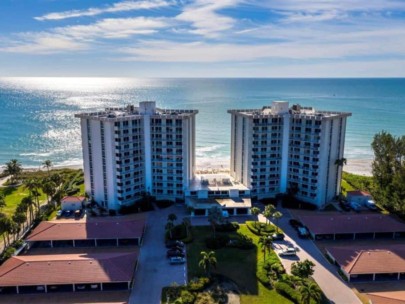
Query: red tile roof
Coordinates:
[353,223]
[357,193]
[68,268]
[393,297]
[73,199]
[97,228]
[366,260]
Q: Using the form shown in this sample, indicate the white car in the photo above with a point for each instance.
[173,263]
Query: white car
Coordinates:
[288,251]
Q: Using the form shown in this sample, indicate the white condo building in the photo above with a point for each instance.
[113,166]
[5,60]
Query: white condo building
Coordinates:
[278,148]
[132,150]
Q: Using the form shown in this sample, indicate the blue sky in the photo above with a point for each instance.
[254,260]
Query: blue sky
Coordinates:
[203,38]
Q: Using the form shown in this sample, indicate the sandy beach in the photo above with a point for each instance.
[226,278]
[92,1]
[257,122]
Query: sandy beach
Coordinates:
[359,166]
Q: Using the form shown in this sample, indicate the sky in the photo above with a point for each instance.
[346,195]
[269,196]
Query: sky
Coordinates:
[203,38]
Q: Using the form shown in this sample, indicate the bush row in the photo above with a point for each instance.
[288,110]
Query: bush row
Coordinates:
[287,291]
[260,228]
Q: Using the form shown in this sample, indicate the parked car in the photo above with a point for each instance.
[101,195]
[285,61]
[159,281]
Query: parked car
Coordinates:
[175,253]
[67,213]
[290,251]
[78,213]
[80,287]
[178,248]
[356,207]
[171,243]
[303,232]
[277,236]
[59,213]
[295,223]
[344,205]
[370,204]
[177,260]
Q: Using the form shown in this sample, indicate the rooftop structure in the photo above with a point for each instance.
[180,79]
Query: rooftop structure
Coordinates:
[133,150]
[368,262]
[68,272]
[278,148]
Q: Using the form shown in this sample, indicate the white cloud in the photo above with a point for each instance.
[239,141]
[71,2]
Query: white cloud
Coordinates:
[204,17]
[45,44]
[114,8]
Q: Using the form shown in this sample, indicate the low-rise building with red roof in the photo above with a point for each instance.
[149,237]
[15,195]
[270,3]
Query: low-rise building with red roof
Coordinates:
[72,203]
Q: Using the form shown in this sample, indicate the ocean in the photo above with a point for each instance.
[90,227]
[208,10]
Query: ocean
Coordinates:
[37,114]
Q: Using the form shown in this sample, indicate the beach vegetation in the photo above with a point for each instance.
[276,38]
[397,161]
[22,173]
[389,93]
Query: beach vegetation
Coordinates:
[14,169]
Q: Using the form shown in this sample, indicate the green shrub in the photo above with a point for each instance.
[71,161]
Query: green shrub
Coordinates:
[287,291]
[8,253]
[218,242]
[198,284]
[187,297]
[241,242]
[204,298]
[227,227]
[263,276]
[261,228]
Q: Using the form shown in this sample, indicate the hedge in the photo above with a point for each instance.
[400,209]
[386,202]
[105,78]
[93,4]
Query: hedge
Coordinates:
[287,291]
[265,229]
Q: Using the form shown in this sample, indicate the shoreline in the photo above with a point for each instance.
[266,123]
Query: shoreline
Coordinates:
[354,166]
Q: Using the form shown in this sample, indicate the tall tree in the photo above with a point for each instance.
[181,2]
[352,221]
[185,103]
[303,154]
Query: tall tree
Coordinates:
[48,165]
[255,211]
[172,217]
[2,201]
[303,269]
[340,162]
[266,242]
[13,168]
[49,188]
[33,185]
[215,217]
[277,215]
[169,227]
[187,225]
[19,219]
[268,212]
[310,291]
[29,203]
[208,261]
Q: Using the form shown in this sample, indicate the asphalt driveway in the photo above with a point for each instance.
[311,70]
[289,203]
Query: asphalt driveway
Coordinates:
[154,271]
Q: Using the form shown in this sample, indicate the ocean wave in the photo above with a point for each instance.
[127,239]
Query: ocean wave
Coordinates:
[38,154]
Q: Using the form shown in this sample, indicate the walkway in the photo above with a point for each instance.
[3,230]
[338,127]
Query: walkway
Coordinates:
[154,271]
[335,289]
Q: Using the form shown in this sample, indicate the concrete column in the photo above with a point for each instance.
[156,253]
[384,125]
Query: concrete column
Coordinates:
[354,236]
[373,276]
[101,286]
[399,276]
[393,235]
[46,289]
[18,290]
[373,235]
[51,243]
[206,212]
[74,287]
[117,242]
[96,242]
[284,153]
[74,243]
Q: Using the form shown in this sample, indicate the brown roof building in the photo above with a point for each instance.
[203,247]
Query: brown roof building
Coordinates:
[353,226]
[370,263]
[68,272]
[89,232]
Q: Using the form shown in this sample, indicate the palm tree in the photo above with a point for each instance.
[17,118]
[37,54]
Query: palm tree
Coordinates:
[2,201]
[32,185]
[187,225]
[265,242]
[214,217]
[13,168]
[310,291]
[208,261]
[255,211]
[19,219]
[268,212]
[172,217]
[169,227]
[49,188]
[7,227]
[340,162]
[47,164]
[29,204]
[277,215]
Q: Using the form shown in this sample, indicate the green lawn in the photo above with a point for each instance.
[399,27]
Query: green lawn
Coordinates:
[13,196]
[236,264]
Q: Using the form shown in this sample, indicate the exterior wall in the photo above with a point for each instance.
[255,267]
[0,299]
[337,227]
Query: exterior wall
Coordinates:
[130,151]
[282,149]
[71,206]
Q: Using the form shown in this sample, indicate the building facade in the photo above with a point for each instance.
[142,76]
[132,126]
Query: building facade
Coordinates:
[278,149]
[132,150]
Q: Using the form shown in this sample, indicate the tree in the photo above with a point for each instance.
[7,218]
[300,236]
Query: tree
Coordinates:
[2,201]
[47,164]
[266,242]
[208,261]
[310,291]
[172,217]
[187,225]
[29,204]
[49,188]
[268,212]
[19,218]
[277,215]
[13,168]
[303,269]
[340,162]
[7,227]
[33,185]
[214,217]
[169,227]
[255,211]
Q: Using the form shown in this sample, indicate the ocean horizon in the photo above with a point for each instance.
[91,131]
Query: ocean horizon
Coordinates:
[37,118]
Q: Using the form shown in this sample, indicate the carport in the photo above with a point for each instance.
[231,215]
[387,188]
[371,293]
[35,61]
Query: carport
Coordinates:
[364,264]
[92,232]
[30,274]
[352,227]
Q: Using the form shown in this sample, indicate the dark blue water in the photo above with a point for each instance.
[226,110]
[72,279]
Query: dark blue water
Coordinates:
[37,114]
